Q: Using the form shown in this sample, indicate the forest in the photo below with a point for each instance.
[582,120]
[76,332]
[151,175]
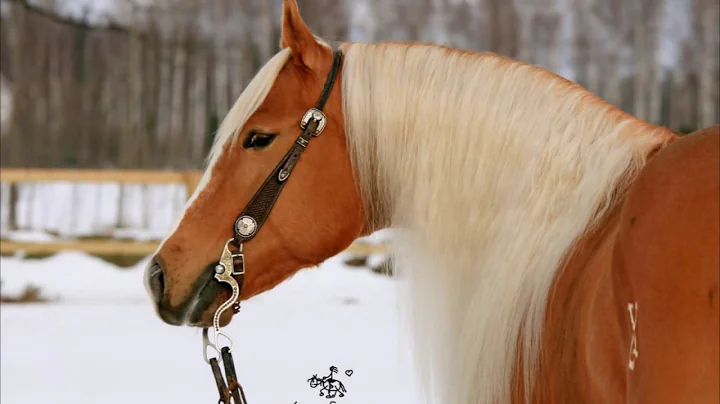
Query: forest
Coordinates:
[144,84]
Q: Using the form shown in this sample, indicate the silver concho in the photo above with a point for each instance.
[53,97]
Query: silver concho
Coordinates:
[246,226]
[283,175]
[316,114]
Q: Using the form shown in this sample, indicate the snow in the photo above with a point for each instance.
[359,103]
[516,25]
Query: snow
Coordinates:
[72,276]
[27,236]
[142,212]
[101,341]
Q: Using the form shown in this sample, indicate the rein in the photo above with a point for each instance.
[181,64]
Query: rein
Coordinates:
[231,267]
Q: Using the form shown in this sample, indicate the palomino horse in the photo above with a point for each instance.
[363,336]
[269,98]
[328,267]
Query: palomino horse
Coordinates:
[552,248]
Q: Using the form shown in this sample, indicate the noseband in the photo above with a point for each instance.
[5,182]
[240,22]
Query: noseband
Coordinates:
[231,267]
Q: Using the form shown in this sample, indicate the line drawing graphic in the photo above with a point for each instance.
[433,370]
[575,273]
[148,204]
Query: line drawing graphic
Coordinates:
[329,386]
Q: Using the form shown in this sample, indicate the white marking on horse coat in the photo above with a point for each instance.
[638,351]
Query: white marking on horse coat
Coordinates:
[632,309]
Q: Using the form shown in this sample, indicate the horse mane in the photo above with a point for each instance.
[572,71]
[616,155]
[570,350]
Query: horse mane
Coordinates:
[492,169]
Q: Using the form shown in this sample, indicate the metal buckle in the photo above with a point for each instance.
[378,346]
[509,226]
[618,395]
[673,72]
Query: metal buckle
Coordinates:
[225,270]
[316,114]
[302,142]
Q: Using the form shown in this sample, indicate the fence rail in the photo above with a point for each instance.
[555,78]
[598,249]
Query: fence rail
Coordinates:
[95,247]
[109,246]
[189,178]
[131,248]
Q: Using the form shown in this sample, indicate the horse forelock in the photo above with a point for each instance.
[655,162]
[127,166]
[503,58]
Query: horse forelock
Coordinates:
[496,168]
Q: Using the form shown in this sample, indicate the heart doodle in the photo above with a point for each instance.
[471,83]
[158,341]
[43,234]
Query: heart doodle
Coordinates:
[349,372]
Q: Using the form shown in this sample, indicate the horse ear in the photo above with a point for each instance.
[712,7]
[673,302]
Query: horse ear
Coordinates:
[297,36]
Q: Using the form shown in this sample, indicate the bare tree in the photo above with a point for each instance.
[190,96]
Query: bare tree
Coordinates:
[647,17]
[331,23]
[546,22]
[655,21]
[148,86]
[707,19]
[581,43]
[612,25]
[501,24]
[682,114]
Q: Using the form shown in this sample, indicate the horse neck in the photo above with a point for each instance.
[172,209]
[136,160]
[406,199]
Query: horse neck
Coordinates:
[494,169]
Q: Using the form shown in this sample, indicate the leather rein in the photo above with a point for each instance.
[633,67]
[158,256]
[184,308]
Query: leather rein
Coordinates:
[231,267]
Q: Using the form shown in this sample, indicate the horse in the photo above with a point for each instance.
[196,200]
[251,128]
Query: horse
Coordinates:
[549,247]
[330,386]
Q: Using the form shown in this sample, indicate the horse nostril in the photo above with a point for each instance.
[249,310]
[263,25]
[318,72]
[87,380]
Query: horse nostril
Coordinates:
[156,280]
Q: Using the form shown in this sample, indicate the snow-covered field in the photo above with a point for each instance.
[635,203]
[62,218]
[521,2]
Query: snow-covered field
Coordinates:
[100,342]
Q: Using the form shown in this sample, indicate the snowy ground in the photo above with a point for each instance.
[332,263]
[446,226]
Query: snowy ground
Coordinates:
[101,342]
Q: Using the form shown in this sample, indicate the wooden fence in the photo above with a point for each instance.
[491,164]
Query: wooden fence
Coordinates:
[189,178]
[112,247]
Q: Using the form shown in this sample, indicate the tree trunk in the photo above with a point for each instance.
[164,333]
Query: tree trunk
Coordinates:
[641,65]
[656,76]
[581,44]
[708,91]
[12,207]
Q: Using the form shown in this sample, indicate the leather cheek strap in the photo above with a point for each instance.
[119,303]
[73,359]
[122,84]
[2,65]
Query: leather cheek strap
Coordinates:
[264,199]
[258,209]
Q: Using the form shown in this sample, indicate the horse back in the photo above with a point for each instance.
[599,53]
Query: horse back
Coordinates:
[666,263]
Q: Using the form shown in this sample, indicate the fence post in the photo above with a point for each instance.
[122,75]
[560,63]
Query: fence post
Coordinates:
[12,206]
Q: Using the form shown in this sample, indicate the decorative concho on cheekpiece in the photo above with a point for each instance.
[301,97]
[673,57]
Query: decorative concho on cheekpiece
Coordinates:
[245,226]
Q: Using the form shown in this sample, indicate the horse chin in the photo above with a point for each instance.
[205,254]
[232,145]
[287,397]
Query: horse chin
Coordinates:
[204,318]
[206,303]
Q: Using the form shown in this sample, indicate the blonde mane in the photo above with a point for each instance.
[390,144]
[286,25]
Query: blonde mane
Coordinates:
[492,169]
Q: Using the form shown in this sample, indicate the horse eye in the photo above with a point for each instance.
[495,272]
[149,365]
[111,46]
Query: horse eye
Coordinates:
[258,140]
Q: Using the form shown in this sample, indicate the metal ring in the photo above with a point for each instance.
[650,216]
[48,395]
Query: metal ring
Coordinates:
[218,333]
[206,344]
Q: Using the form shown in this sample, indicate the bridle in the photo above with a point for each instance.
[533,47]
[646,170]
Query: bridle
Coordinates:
[231,267]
